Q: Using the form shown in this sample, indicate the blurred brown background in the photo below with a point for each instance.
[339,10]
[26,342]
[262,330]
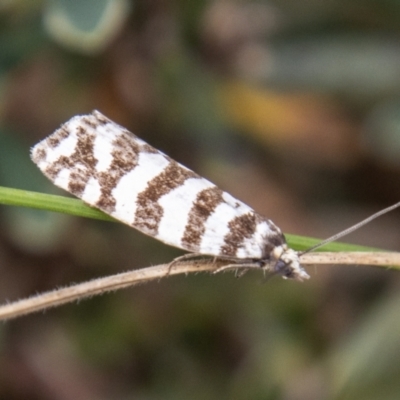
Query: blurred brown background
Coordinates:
[291,106]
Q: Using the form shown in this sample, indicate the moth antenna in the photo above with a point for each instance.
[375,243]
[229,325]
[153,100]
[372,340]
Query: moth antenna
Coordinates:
[351,228]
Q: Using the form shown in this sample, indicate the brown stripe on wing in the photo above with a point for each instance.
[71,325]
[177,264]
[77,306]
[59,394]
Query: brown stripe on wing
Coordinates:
[205,204]
[125,157]
[149,213]
[240,228]
[38,155]
[81,163]
[58,136]
[274,239]
[40,152]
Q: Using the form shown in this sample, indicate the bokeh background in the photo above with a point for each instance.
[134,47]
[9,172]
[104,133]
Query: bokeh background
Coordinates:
[291,106]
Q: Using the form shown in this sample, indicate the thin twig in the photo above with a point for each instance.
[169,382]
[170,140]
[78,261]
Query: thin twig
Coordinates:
[123,280]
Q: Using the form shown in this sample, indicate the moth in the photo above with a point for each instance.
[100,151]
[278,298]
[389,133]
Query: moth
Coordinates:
[111,169]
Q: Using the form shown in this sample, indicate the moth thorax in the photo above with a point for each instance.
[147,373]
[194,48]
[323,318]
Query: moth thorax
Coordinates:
[285,262]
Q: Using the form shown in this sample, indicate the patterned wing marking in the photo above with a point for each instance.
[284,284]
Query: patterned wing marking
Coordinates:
[240,229]
[217,226]
[263,234]
[177,205]
[203,206]
[150,165]
[153,210]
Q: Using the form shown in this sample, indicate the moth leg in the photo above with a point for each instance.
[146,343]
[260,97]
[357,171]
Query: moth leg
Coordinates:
[241,272]
[190,256]
[245,267]
[182,258]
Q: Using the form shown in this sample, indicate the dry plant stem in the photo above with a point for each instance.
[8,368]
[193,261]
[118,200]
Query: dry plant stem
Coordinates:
[352,258]
[102,285]
[95,287]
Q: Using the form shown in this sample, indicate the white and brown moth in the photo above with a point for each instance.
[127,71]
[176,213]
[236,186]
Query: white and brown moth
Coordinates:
[111,169]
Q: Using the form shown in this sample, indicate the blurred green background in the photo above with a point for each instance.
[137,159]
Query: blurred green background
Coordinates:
[291,106]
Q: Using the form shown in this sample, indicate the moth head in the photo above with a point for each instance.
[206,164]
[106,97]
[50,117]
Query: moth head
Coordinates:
[287,264]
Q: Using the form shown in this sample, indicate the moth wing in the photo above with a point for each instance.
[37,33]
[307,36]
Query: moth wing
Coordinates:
[111,169]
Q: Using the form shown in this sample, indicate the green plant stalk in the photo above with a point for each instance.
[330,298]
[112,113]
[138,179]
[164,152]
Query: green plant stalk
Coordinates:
[66,205]
[50,202]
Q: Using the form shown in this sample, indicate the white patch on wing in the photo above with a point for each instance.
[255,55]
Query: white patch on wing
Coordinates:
[177,205]
[62,179]
[134,182]
[102,149]
[92,192]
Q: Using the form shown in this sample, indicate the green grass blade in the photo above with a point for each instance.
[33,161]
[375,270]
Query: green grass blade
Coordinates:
[66,205]
[303,243]
[50,202]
